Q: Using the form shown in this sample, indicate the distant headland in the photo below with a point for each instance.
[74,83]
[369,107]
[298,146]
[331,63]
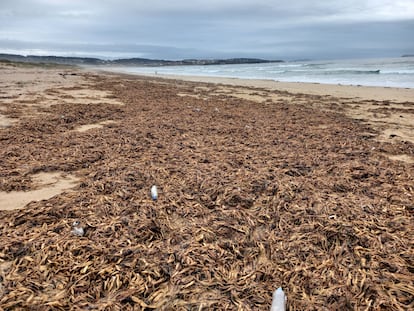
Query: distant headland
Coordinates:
[129,61]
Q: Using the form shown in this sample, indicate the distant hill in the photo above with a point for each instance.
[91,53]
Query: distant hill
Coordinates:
[52,59]
[408,55]
[129,61]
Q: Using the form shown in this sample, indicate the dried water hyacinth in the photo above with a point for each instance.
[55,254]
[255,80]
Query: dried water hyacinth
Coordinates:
[243,210]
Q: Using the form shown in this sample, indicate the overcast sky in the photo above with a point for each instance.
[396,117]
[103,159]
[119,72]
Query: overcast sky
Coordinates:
[273,29]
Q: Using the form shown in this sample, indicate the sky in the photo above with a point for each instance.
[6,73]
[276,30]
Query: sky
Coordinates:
[179,29]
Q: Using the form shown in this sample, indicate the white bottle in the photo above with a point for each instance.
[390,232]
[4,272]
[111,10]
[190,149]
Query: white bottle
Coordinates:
[154,193]
[279,300]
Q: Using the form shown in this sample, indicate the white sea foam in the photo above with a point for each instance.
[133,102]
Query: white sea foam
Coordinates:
[388,72]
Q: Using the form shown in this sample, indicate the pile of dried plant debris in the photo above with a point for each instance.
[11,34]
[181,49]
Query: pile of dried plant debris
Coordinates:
[252,196]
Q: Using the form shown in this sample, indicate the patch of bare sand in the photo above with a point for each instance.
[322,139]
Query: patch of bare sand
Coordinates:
[25,83]
[31,89]
[189,95]
[395,121]
[5,121]
[86,96]
[48,184]
[87,127]
[402,157]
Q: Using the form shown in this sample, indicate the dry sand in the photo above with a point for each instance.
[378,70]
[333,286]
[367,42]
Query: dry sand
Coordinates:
[28,89]
[335,90]
[261,184]
[25,91]
[49,184]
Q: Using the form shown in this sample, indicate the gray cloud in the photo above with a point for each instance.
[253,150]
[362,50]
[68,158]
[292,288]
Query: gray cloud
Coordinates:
[214,28]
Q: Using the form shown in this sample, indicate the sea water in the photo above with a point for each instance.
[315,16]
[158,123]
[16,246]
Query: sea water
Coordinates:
[386,72]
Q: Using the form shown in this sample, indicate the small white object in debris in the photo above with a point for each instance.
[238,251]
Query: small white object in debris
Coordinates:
[279,300]
[78,231]
[154,193]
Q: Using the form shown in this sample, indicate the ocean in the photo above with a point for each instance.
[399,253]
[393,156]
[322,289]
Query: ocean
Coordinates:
[385,72]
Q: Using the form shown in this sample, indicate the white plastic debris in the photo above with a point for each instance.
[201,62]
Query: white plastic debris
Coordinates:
[77,229]
[279,300]
[154,193]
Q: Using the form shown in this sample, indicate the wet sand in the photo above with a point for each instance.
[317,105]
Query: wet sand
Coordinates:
[308,187]
[336,90]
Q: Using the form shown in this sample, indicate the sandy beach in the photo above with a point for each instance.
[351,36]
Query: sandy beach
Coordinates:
[336,90]
[261,184]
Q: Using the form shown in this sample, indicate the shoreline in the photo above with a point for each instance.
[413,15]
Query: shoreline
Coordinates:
[378,93]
